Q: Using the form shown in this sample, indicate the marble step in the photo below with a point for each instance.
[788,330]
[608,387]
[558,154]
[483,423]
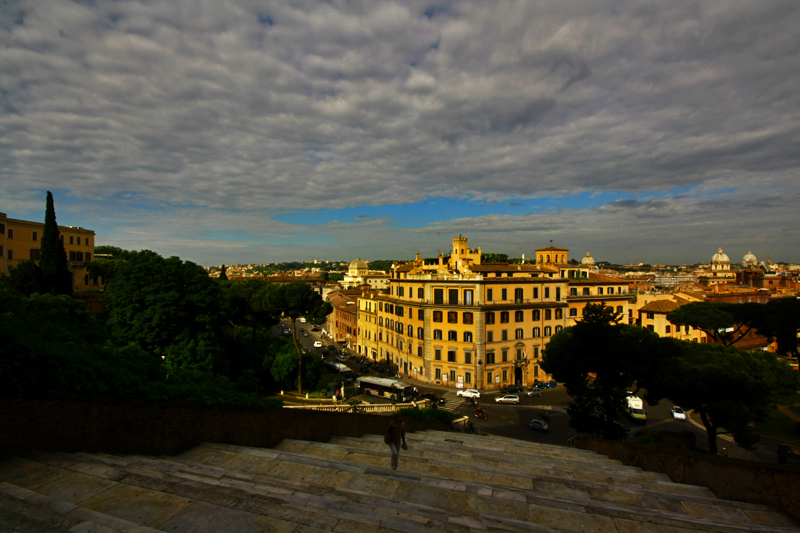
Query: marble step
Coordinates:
[432,449]
[35,512]
[322,508]
[546,510]
[646,493]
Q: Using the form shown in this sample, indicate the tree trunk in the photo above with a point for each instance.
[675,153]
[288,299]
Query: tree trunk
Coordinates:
[299,358]
[711,432]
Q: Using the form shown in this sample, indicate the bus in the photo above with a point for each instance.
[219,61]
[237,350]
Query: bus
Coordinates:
[636,409]
[339,368]
[386,388]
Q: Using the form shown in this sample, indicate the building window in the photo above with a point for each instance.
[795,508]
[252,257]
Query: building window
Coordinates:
[88,256]
[437,316]
[490,317]
[420,293]
[420,314]
[537,315]
[380,306]
[558,294]
[586,291]
[518,334]
[547,292]
[503,294]
[490,336]
[559,314]
[548,314]
[505,375]
[558,328]
[518,296]
[35,254]
[452,296]
[611,290]
[467,377]
[71,239]
[536,352]
[452,317]
[35,236]
[573,312]
[420,333]
[547,331]
[437,354]
[573,291]
[504,317]
[489,378]
[10,233]
[504,334]
[419,351]
[519,316]
[467,336]
[650,316]
[452,335]
[399,310]
[490,361]
[401,291]
[468,296]
[380,321]
[451,356]
[452,376]
[669,329]
[489,296]
[400,345]
[437,334]
[410,330]
[536,332]
[468,319]
[438,373]
[619,309]
[536,293]
[505,355]
[11,254]
[438,296]
[599,290]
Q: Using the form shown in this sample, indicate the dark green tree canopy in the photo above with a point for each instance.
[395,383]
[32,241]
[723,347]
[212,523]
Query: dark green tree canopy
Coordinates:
[57,277]
[222,275]
[26,278]
[724,322]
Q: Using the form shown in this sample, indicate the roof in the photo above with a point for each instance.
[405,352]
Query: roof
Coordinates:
[503,267]
[662,306]
[552,249]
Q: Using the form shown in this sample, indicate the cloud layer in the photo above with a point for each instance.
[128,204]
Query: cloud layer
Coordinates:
[227,114]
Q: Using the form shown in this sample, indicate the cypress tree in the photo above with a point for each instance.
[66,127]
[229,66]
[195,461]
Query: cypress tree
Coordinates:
[57,277]
[222,275]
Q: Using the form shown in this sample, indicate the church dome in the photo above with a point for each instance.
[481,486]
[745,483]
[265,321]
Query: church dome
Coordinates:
[720,261]
[358,266]
[749,259]
[588,260]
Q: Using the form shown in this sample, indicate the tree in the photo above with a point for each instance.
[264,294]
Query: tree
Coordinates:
[724,322]
[170,308]
[294,300]
[727,387]
[222,275]
[494,258]
[780,319]
[598,360]
[57,277]
[26,278]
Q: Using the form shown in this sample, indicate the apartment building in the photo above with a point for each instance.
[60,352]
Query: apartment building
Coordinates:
[458,322]
[20,241]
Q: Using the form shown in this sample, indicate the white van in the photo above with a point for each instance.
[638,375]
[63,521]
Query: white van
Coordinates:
[636,409]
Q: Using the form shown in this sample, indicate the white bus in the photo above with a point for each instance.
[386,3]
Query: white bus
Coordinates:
[386,388]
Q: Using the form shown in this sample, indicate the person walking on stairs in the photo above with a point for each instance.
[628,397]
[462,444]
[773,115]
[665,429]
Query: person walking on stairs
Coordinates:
[395,434]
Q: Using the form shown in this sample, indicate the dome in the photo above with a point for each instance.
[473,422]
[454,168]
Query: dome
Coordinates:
[358,266]
[720,261]
[588,260]
[749,259]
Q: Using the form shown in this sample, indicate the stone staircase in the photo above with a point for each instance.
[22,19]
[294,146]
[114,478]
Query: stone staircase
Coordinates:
[446,482]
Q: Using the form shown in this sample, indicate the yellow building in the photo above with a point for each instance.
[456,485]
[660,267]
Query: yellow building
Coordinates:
[458,322]
[613,292]
[368,325]
[21,242]
[651,313]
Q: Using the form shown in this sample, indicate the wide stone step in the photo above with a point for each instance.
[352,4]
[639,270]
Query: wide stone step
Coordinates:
[514,504]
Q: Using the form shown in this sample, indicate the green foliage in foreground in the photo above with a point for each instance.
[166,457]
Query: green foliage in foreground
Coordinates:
[424,414]
[52,347]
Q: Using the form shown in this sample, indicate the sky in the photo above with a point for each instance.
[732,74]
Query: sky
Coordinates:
[251,132]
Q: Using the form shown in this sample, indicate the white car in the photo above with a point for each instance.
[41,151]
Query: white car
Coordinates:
[469,393]
[678,413]
[317,344]
[508,398]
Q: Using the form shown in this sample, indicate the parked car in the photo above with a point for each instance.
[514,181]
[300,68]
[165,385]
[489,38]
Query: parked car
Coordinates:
[433,398]
[341,358]
[534,392]
[551,384]
[678,413]
[317,344]
[508,398]
[538,425]
[468,393]
[511,389]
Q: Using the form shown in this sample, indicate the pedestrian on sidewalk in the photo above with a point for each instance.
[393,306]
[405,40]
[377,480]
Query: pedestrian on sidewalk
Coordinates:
[395,434]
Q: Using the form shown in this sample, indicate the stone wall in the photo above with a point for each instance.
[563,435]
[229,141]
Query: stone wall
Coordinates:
[155,428]
[747,481]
